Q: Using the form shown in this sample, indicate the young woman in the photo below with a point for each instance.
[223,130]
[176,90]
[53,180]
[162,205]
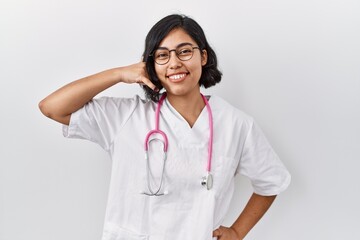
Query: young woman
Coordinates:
[194,144]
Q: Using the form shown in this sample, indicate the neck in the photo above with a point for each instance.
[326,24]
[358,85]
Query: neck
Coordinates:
[189,106]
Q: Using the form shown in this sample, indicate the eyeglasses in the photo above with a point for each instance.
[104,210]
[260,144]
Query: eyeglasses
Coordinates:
[162,55]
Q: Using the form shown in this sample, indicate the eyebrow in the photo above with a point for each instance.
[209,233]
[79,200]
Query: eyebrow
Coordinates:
[179,45]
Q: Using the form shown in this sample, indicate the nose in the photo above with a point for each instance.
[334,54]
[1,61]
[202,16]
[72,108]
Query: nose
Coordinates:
[174,61]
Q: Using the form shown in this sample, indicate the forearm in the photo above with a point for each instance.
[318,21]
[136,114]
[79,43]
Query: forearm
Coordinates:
[252,213]
[60,104]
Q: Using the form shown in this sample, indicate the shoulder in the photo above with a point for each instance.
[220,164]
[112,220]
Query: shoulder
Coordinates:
[112,106]
[223,109]
[120,102]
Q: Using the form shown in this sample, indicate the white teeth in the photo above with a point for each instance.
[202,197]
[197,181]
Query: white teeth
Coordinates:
[178,76]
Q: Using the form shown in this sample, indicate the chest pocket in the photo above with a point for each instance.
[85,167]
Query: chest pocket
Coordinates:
[223,172]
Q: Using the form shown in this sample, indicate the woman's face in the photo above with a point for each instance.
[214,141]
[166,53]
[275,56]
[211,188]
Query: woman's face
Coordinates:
[180,77]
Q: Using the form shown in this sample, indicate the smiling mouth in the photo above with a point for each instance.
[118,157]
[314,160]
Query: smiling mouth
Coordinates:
[177,77]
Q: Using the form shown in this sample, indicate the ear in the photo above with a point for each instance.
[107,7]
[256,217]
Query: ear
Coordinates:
[204,57]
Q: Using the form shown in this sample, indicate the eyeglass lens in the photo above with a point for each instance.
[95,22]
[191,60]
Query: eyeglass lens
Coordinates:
[184,53]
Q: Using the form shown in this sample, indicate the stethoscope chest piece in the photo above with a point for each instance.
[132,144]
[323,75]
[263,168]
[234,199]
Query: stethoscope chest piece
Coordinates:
[207,181]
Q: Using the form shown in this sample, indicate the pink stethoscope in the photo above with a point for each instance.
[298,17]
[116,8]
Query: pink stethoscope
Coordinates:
[207,180]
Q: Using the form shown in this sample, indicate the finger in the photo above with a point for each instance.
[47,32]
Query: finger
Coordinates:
[217,233]
[148,83]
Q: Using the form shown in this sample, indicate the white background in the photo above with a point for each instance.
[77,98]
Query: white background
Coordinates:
[293,65]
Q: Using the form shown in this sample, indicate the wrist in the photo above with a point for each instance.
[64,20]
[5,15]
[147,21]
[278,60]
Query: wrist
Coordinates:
[239,235]
[116,74]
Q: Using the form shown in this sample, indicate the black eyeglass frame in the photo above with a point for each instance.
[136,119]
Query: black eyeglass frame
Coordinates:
[176,53]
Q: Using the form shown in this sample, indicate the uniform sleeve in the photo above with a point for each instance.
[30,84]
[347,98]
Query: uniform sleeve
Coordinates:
[261,164]
[100,119]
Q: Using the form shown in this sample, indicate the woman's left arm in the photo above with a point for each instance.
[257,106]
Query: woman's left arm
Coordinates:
[252,213]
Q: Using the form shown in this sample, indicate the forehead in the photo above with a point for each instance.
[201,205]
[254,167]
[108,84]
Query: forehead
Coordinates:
[176,37]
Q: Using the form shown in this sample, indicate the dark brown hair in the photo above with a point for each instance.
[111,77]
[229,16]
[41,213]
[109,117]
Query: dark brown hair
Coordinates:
[210,72]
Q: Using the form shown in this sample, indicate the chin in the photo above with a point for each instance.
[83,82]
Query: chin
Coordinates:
[181,91]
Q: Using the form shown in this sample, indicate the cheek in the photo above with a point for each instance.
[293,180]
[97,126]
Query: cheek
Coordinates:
[159,72]
[197,69]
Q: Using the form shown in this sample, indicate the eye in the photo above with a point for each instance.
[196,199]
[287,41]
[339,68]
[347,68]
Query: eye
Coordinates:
[185,51]
[161,55]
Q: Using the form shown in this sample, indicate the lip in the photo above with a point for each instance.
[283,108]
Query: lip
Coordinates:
[177,77]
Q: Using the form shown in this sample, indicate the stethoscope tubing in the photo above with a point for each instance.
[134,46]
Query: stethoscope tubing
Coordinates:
[208,167]
[157,130]
[208,179]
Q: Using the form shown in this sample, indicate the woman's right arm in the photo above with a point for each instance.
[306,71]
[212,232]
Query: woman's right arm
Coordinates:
[60,104]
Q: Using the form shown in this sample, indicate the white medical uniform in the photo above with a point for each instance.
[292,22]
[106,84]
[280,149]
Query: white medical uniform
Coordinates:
[187,210]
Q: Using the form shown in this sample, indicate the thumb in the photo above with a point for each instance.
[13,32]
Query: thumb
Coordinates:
[217,233]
